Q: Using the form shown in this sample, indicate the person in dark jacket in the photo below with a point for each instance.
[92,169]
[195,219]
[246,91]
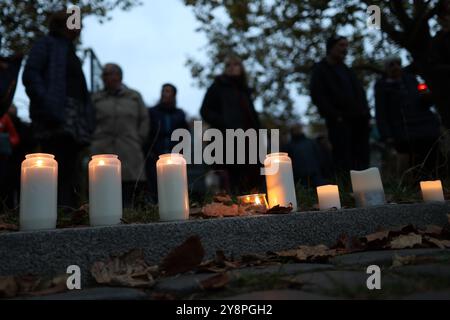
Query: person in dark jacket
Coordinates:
[165,118]
[228,104]
[306,158]
[341,101]
[60,107]
[403,115]
[439,69]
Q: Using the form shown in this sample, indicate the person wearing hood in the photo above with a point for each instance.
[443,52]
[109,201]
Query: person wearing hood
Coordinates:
[165,118]
[228,104]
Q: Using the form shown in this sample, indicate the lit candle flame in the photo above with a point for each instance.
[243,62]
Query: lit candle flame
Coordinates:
[101,163]
[257,201]
[39,163]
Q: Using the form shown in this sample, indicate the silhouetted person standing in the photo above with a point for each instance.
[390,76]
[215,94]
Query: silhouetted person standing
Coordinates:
[341,101]
[165,118]
[60,106]
[403,115]
[228,104]
[122,126]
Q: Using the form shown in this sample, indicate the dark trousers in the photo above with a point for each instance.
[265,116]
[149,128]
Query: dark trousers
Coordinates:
[67,153]
[350,142]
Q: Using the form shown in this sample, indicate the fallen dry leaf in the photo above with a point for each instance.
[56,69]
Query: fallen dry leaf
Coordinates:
[220,210]
[8,287]
[223,198]
[432,230]
[183,258]
[442,244]
[398,261]
[127,270]
[279,210]
[215,282]
[319,253]
[406,241]
[8,227]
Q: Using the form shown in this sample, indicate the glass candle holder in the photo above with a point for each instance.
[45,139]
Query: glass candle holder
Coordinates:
[173,199]
[280,181]
[38,192]
[105,190]
[253,202]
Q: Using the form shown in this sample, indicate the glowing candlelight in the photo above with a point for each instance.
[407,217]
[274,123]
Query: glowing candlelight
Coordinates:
[280,183]
[432,191]
[105,190]
[38,192]
[328,197]
[253,202]
[173,200]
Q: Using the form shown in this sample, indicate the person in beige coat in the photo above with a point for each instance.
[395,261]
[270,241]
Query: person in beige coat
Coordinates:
[122,126]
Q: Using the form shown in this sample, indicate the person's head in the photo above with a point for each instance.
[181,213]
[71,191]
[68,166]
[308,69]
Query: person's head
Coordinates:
[393,67]
[168,94]
[58,26]
[234,66]
[112,76]
[337,48]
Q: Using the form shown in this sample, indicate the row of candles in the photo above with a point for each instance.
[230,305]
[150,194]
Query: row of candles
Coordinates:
[39,172]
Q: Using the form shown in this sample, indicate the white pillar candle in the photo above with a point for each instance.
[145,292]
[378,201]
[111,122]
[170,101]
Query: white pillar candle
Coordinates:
[105,190]
[367,187]
[38,192]
[432,191]
[280,183]
[328,197]
[173,200]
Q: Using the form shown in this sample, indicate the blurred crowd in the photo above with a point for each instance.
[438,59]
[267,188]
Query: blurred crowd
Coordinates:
[72,123]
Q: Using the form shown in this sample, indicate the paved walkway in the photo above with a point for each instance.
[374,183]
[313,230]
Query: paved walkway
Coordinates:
[405,274]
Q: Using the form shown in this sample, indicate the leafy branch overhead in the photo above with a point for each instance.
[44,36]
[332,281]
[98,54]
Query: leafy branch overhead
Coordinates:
[23,21]
[281,40]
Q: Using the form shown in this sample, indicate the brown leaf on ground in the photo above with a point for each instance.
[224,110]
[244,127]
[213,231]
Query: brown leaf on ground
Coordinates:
[219,264]
[220,210]
[406,241]
[52,286]
[442,244]
[404,230]
[223,198]
[375,240]
[215,282]
[183,258]
[8,227]
[8,287]
[432,230]
[399,261]
[279,210]
[127,270]
[320,253]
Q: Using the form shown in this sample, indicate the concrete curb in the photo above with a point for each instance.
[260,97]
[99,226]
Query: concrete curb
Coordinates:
[51,252]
